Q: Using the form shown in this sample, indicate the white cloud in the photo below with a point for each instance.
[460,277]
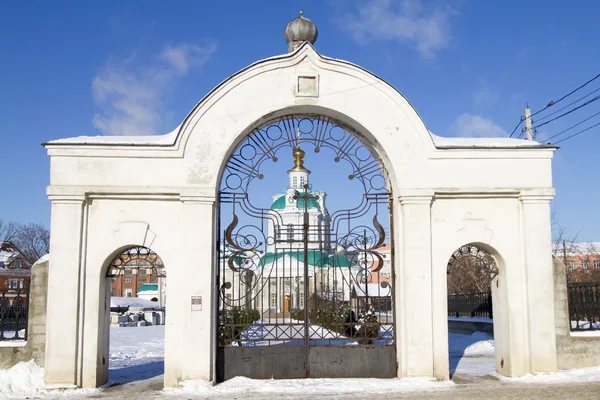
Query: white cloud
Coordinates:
[130,98]
[424,28]
[470,125]
[484,96]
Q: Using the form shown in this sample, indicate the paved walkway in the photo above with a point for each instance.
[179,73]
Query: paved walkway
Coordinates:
[465,388]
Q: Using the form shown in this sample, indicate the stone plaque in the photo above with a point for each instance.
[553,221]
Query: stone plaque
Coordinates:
[196,303]
[308,86]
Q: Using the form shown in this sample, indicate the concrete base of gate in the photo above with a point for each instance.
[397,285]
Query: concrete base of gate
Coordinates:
[288,362]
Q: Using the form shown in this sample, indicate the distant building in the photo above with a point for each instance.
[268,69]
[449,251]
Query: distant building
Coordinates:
[15,274]
[582,260]
[141,277]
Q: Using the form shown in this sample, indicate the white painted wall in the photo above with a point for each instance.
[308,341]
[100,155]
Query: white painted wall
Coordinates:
[109,193]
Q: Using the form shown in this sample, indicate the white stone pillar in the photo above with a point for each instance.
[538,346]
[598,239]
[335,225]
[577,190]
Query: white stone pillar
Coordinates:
[62,366]
[197,266]
[537,237]
[413,283]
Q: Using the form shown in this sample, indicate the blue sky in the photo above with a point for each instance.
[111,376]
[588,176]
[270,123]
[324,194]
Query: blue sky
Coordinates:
[73,68]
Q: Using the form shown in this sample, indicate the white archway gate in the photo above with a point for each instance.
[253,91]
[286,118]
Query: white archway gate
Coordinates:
[162,192]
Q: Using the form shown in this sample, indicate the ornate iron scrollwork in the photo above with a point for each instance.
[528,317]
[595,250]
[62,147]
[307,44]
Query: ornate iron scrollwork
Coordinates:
[484,260]
[136,257]
[274,275]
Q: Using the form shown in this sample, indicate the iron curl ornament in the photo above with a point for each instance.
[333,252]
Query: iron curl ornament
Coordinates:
[314,132]
[136,257]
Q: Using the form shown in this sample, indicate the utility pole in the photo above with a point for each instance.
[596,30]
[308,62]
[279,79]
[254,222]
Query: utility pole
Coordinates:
[565,251]
[528,134]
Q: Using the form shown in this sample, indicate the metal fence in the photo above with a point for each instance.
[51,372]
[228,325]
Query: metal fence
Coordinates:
[470,305]
[584,306]
[14,307]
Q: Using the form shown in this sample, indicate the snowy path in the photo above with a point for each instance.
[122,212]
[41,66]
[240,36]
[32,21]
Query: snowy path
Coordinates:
[136,367]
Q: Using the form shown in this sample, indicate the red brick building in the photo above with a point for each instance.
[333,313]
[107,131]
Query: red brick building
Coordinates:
[15,274]
[128,281]
[582,260]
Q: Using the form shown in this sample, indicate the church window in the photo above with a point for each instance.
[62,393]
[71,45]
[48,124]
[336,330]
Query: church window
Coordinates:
[302,181]
[273,300]
[290,232]
[295,182]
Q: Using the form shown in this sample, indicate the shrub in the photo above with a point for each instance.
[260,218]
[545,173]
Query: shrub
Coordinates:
[234,321]
[369,328]
[336,318]
[297,314]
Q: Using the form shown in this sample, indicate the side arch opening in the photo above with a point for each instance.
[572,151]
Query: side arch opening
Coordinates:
[131,344]
[477,307]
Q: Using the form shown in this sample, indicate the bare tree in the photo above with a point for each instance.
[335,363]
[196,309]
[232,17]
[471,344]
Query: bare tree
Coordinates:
[8,230]
[33,240]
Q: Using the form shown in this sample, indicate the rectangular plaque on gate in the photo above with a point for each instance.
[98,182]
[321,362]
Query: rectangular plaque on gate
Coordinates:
[196,303]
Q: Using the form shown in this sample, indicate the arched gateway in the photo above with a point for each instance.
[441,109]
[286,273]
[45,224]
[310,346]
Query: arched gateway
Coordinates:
[180,195]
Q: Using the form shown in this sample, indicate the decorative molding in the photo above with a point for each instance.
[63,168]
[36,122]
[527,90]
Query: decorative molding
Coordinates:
[307,85]
[537,196]
[473,230]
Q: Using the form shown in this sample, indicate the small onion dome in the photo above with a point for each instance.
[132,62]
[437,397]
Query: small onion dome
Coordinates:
[300,30]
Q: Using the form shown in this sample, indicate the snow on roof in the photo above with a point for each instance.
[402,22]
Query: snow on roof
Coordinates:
[462,142]
[8,252]
[578,248]
[43,259]
[167,139]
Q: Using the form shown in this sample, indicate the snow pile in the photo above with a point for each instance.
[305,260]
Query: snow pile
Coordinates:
[476,344]
[245,387]
[563,376]
[24,378]
[132,302]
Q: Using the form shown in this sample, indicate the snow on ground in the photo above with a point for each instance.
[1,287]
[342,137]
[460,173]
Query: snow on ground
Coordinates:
[585,325]
[137,354]
[471,354]
[485,320]
[243,387]
[563,376]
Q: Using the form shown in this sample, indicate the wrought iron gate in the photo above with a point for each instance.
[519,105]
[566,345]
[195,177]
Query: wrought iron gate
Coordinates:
[302,292]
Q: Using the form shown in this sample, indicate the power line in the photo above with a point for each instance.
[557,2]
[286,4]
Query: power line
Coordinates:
[569,112]
[577,133]
[551,103]
[573,91]
[571,127]
[568,105]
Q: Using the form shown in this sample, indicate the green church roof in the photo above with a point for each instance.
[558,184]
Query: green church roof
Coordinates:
[279,204]
[148,287]
[316,258]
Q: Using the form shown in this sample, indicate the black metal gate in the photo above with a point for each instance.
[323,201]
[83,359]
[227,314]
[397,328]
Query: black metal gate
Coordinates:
[305,293]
